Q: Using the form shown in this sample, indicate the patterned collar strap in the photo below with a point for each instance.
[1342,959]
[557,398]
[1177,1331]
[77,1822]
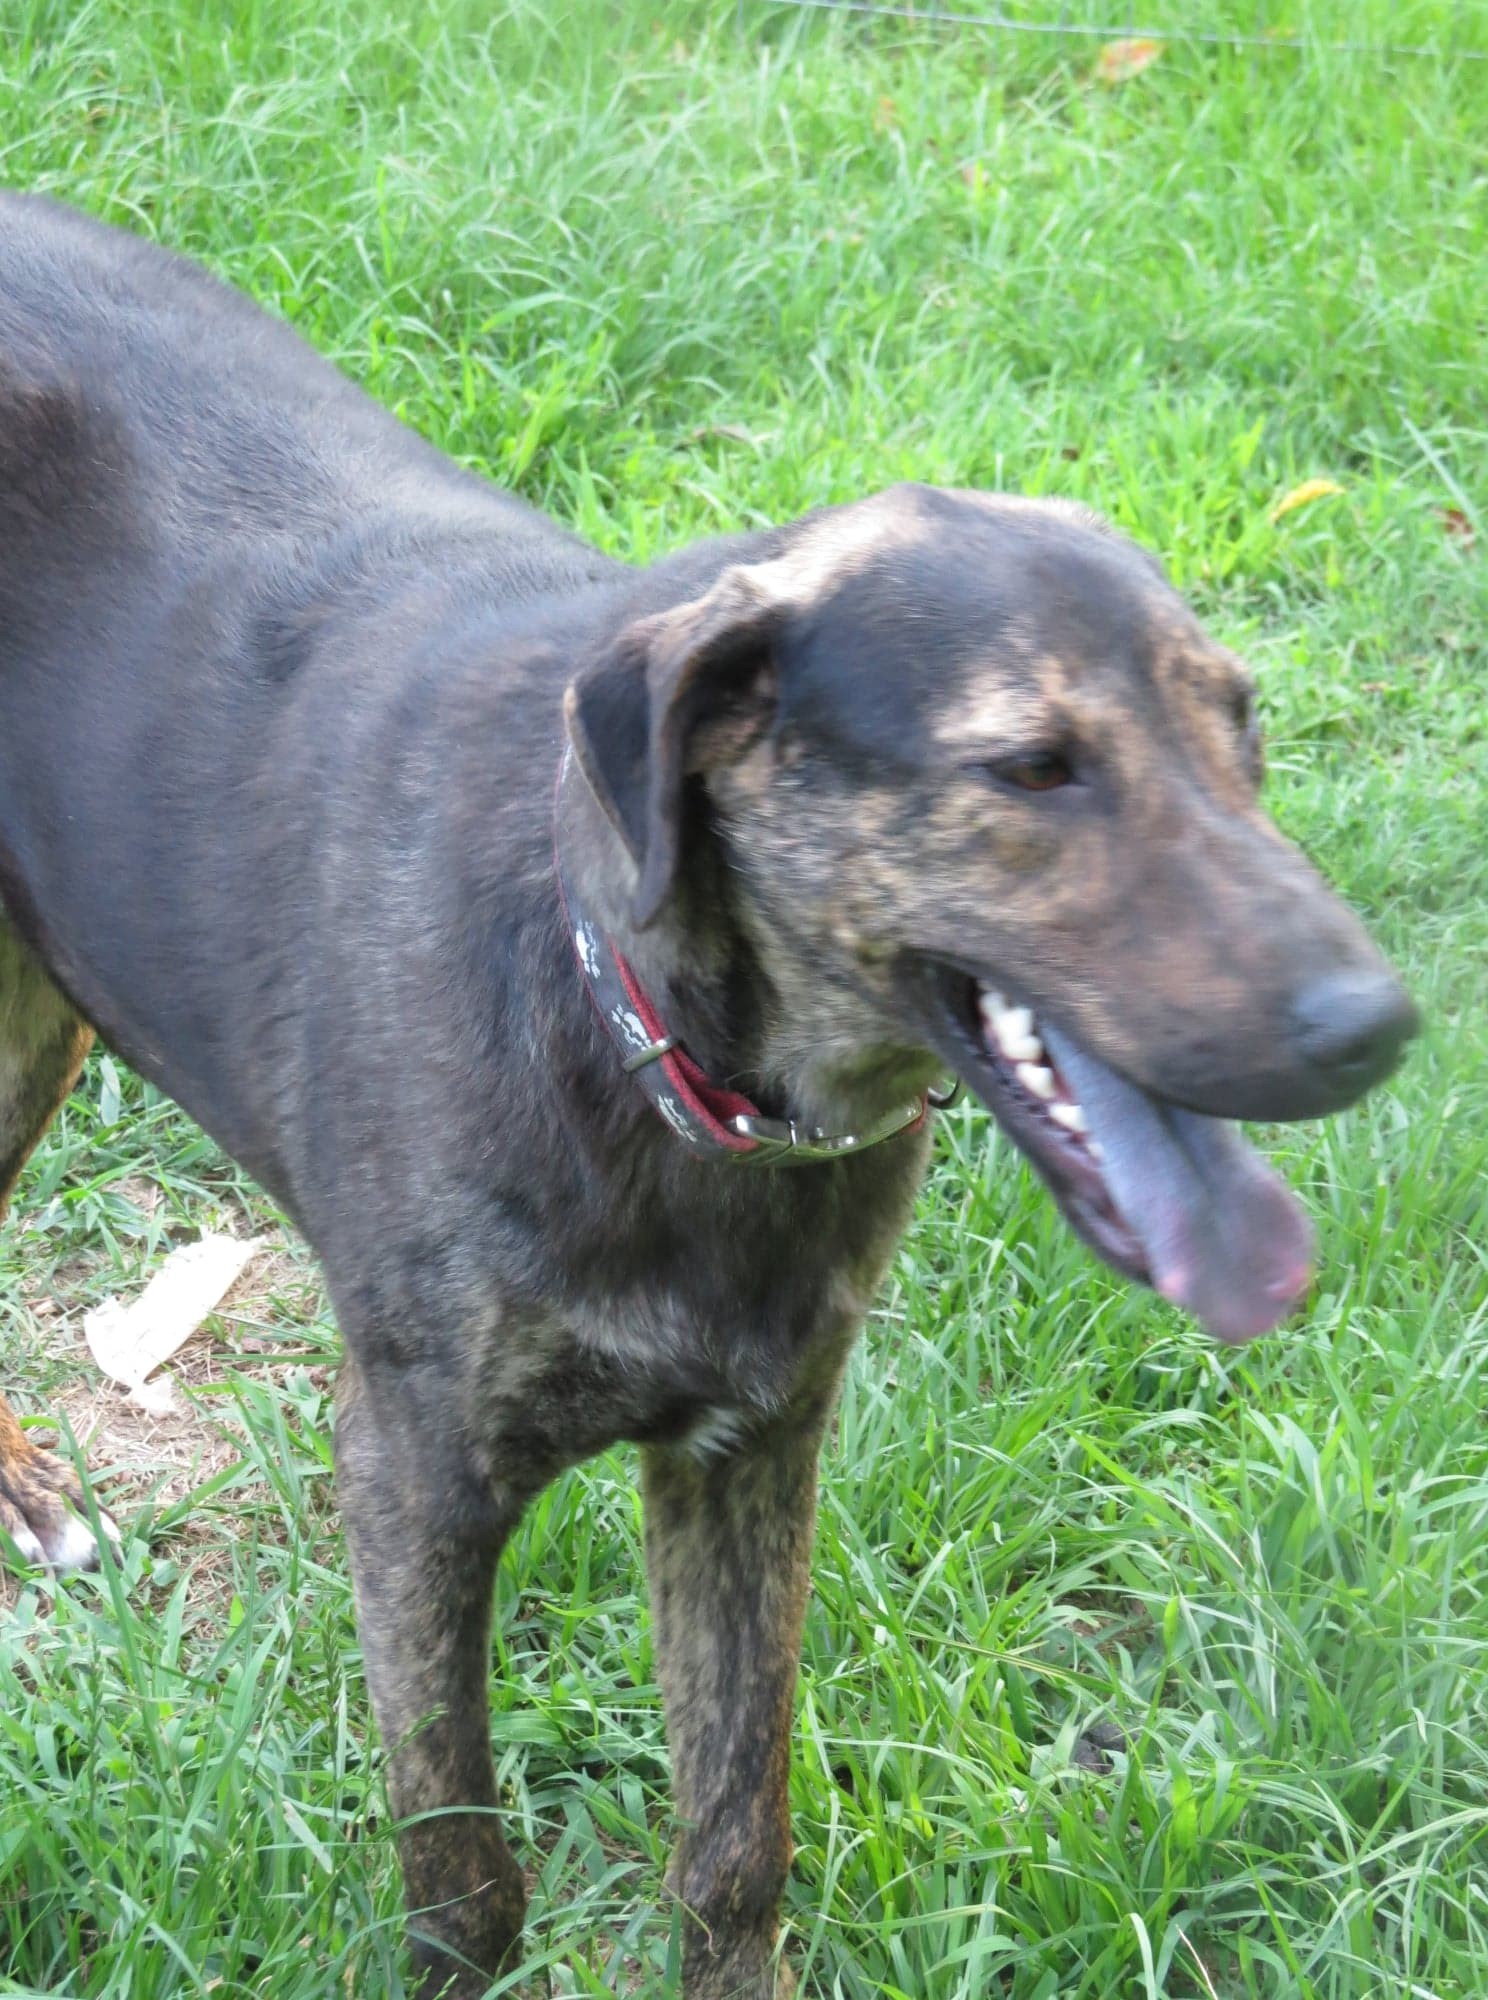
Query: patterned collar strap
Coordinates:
[713,1121]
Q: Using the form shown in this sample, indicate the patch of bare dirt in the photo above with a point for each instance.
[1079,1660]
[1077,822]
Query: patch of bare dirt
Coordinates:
[273,1319]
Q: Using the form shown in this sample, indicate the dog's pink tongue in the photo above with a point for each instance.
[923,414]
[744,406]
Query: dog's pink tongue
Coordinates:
[1223,1235]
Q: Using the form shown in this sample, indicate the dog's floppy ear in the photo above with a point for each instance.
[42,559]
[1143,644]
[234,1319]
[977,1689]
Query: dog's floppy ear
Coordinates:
[673,693]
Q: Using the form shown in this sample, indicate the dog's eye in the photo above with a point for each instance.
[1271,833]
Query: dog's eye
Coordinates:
[1034,771]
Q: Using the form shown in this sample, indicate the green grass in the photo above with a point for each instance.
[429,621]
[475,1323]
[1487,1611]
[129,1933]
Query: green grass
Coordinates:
[667,272]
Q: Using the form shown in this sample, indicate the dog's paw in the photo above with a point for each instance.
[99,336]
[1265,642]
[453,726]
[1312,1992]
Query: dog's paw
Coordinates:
[43,1511]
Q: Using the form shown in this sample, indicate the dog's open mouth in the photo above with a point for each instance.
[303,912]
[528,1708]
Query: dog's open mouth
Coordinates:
[1168,1196]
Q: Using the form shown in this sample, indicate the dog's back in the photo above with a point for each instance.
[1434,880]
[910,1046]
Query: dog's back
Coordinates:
[234,424]
[195,509]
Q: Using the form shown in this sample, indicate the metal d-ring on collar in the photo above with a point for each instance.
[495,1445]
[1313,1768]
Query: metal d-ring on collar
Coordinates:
[709,1118]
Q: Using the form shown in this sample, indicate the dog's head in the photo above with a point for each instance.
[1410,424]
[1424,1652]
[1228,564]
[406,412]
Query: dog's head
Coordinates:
[989,792]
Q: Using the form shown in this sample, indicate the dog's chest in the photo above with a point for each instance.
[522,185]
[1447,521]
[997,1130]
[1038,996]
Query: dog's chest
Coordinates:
[732,1311]
[679,1304]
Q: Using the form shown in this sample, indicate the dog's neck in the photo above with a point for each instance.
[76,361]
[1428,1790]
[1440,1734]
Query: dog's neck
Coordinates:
[691,961]
[708,985]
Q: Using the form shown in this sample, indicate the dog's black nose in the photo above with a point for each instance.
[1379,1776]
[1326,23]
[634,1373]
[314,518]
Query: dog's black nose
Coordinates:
[1353,1025]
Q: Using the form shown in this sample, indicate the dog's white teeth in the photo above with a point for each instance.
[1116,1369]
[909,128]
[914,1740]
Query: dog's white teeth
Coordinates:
[1015,1037]
[1036,1078]
[1011,1029]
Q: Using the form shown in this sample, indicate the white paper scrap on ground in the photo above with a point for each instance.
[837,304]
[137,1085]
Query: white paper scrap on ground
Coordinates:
[130,1341]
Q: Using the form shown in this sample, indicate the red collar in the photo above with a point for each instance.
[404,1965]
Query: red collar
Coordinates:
[709,1118]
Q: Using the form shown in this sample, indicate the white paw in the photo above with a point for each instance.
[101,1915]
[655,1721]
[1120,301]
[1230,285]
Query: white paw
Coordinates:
[29,1545]
[74,1547]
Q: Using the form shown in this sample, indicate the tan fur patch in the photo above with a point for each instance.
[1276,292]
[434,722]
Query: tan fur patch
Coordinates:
[43,1042]
[1051,507]
[836,546]
[1013,703]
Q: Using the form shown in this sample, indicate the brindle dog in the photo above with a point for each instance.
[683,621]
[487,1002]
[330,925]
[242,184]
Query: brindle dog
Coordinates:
[932,782]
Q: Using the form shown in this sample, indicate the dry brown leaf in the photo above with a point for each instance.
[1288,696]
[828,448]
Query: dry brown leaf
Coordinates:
[1458,526]
[130,1341]
[1303,496]
[885,114]
[1127,58]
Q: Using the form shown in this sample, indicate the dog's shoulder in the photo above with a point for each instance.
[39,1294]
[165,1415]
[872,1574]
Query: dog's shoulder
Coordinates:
[65,470]
[44,423]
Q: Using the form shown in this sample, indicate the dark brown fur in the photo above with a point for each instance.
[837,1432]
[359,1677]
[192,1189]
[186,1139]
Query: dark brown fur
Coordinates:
[43,1043]
[282,700]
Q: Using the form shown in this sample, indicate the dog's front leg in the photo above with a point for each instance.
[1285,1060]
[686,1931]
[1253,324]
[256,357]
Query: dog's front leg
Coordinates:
[728,1547]
[423,1565]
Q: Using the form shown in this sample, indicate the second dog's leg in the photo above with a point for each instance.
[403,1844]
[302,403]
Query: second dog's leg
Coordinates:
[43,1041]
[423,1565]
[728,1547]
